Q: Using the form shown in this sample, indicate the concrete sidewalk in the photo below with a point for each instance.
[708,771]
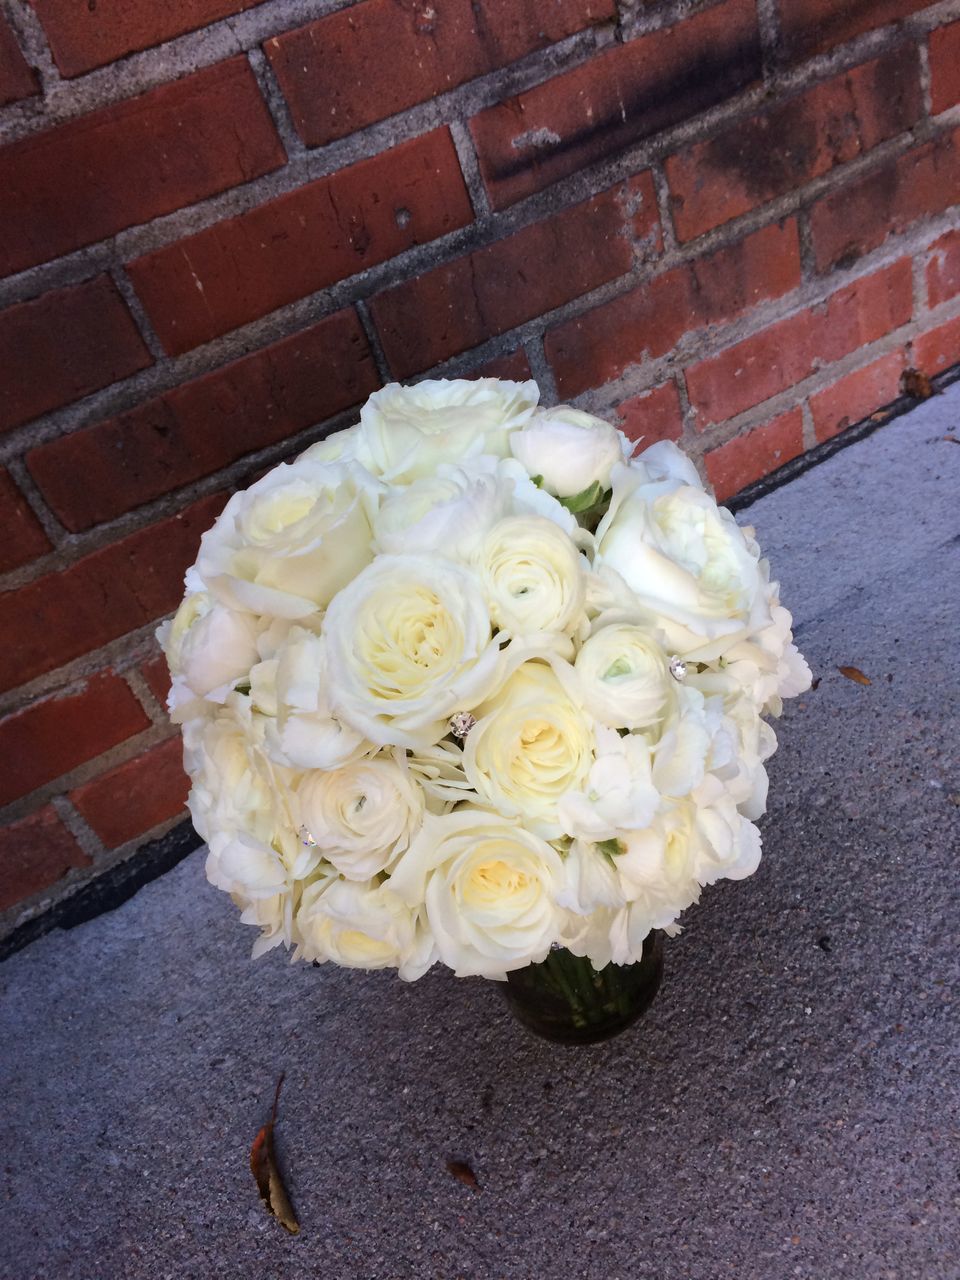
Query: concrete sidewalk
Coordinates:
[788,1108]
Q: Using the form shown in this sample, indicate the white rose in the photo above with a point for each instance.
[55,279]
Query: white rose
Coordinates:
[307,734]
[363,815]
[443,514]
[533,576]
[685,560]
[338,447]
[490,889]
[409,642]
[570,449]
[530,746]
[362,926]
[287,544]
[624,675]
[209,645]
[618,794]
[405,432]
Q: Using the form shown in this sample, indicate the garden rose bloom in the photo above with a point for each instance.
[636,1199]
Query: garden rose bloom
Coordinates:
[570,449]
[490,889]
[409,642]
[362,926]
[286,545]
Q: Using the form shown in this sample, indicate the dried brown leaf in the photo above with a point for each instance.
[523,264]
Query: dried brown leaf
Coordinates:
[951,439]
[854,674]
[815,684]
[463,1173]
[263,1164]
[916,384]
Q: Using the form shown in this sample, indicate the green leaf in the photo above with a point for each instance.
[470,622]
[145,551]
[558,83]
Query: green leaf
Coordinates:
[537,480]
[583,500]
[243,687]
[612,848]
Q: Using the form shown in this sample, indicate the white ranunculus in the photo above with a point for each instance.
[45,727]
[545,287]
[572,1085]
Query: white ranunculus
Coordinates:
[362,926]
[307,733]
[287,544]
[624,675]
[208,645]
[362,815]
[490,889]
[569,449]
[530,746]
[533,576]
[686,562]
[409,642]
[406,432]
[617,796]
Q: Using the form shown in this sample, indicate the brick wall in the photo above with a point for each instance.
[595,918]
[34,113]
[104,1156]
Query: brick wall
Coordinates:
[224,222]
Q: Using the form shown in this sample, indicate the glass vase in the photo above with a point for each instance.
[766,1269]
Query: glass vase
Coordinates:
[566,1000]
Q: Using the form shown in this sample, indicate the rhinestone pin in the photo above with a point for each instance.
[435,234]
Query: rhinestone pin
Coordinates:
[306,838]
[461,724]
[678,668]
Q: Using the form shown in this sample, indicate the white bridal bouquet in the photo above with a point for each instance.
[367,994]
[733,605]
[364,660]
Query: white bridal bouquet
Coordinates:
[470,679]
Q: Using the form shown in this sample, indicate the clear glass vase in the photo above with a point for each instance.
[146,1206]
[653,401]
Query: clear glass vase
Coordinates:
[566,1000]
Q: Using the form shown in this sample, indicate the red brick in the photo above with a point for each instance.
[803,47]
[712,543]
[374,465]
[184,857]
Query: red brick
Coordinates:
[651,416]
[137,795]
[157,675]
[779,357]
[459,305]
[514,367]
[939,349]
[56,735]
[129,163]
[332,71]
[748,458]
[943,269]
[857,395]
[35,853]
[62,346]
[106,594]
[17,79]
[649,321]
[206,424]
[618,97]
[303,241]
[945,67]
[21,535]
[84,36]
[859,216]
[758,159]
[812,26]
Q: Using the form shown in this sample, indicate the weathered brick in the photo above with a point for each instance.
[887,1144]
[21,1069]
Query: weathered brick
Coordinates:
[938,350]
[784,354]
[812,26]
[459,305]
[515,367]
[854,397]
[649,321]
[943,269]
[303,241]
[748,458]
[332,71]
[136,795]
[17,79]
[84,36]
[859,216]
[106,594]
[21,534]
[945,67]
[62,346]
[206,424]
[59,733]
[128,163]
[157,675]
[756,160]
[620,96]
[35,853]
[651,416]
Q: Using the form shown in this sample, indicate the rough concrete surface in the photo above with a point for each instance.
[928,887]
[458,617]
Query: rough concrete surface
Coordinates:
[788,1108]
